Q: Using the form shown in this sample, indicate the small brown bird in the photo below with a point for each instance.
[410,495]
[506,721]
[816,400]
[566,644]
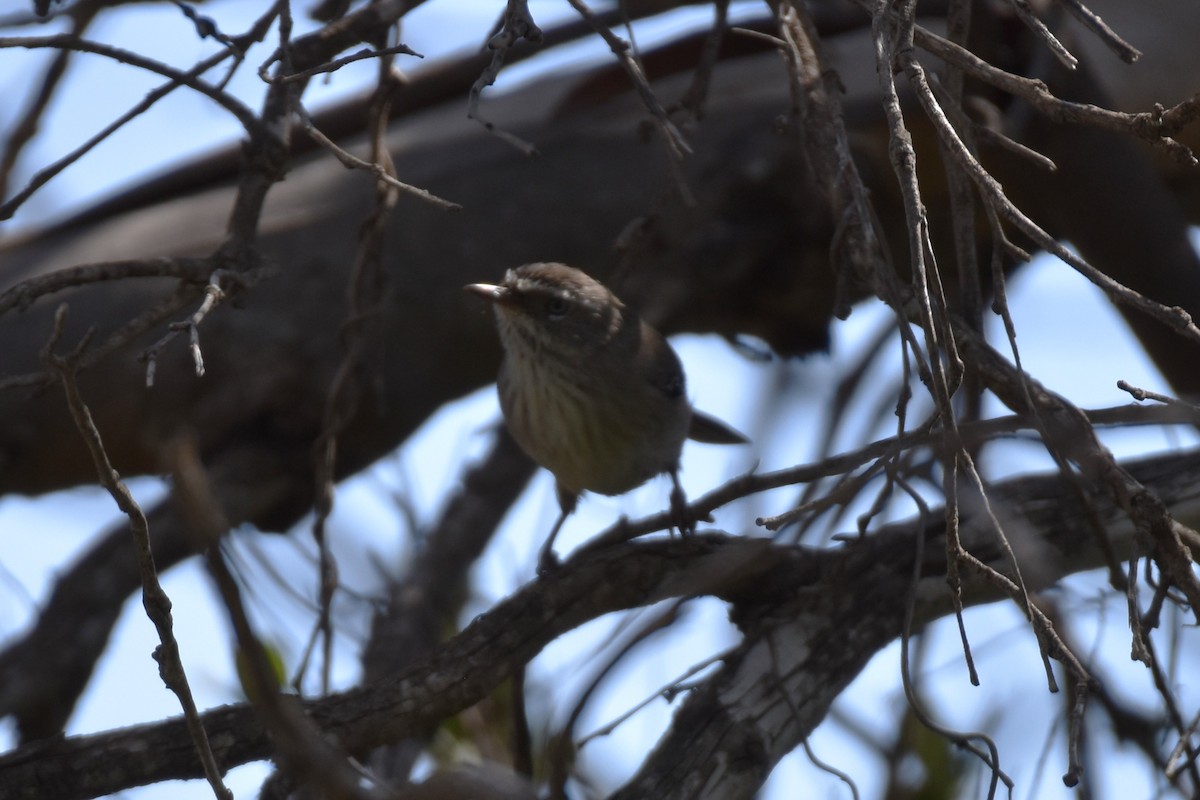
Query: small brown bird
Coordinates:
[589,390]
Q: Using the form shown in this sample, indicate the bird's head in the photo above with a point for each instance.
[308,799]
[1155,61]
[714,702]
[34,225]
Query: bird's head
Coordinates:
[552,309]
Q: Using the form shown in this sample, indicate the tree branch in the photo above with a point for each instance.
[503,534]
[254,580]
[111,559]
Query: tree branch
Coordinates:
[826,611]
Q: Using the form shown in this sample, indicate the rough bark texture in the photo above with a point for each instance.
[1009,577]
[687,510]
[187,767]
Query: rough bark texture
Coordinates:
[811,619]
[741,238]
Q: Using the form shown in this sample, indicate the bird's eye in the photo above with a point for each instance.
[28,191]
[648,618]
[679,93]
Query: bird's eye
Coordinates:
[556,308]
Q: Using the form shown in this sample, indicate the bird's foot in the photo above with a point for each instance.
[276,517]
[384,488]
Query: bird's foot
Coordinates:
[548,562]
[680,519]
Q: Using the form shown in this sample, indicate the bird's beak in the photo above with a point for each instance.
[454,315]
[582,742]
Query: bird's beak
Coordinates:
[501,295]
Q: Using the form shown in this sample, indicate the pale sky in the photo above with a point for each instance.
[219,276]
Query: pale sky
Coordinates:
[1080,348]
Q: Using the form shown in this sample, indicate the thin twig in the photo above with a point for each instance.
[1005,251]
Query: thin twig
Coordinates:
[516,24]
[1124,50]
[344,396]
[774,675]
[27,126]
[351,161]
[991,133]
[22,295]
[1140,395]
[299,746]
[677,147]
[969,433]
[668,691]
[697,92]
[338,63]
[206,27]
[1176,763]
[1039,29]
[190,78]
[177,79]
[991,758]
[1156,126]
[154,599]
[1176,318]
[562,747]
[213,295]
[123,335]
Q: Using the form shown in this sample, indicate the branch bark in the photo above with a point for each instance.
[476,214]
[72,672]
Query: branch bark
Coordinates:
[810,618]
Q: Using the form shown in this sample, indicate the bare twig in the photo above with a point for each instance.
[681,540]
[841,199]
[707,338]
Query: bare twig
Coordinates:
[1156,126]
[1176,318]
[338,63]
[970,433]
[213,294]
[1124,50]
[1140,395]
[206,27]
[190,78]
[697,92]
[846,778]
[360,343]
[677,147]
[131,330]
[25,128]
[1026,15]
[1177,762]
[563,746]
[154,599]
[1075,444]
[381,173]
[67,43]
[516,24]
[20,296]
[990,758]
[475,661]
[667,692]
[1051,645]
[299,746]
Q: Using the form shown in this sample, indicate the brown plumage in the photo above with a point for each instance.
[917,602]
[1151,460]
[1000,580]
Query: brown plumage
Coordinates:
[589,390]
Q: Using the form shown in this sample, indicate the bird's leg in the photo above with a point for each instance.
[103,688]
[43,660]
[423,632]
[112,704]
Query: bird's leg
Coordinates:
[547,561]
[679,515]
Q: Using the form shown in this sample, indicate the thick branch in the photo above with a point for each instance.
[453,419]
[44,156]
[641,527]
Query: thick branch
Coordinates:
[842,605]
[808,641]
